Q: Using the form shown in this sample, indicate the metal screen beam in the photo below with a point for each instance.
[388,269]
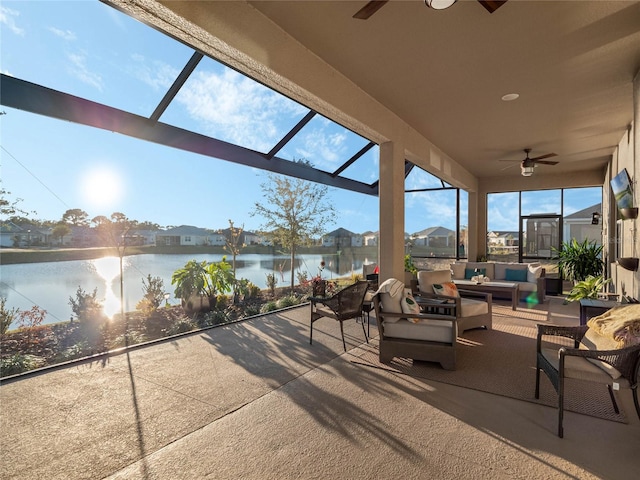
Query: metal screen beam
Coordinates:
[37,99]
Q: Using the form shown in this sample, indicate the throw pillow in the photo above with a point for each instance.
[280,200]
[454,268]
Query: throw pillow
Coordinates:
[471,272]
[448,288]
[410,306]
[516,275]
[533,273]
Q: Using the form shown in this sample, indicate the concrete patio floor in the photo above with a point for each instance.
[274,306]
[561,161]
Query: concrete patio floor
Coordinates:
[254,400]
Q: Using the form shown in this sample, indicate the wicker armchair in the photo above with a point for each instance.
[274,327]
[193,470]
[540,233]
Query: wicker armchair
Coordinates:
[344,305]
[582,363]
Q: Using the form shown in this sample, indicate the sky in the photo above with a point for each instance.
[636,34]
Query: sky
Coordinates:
[88,49]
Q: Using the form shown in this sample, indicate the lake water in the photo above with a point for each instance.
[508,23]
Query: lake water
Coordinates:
[49,285]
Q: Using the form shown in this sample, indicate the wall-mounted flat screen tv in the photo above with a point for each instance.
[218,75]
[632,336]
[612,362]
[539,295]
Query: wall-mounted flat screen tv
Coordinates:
[621,186]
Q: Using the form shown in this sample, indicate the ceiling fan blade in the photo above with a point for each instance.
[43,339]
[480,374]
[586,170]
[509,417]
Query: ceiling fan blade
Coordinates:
[548,155]
[546,162]
[508,166]
[492,5]
[369,9]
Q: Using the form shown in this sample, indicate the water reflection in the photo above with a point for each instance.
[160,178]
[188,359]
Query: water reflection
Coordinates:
[50,285]
[108,268]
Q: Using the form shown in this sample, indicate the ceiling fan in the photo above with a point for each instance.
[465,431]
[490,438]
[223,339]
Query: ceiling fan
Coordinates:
[372,7]
[528,164]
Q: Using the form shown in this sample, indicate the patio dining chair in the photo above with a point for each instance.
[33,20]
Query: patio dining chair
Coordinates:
[344,305]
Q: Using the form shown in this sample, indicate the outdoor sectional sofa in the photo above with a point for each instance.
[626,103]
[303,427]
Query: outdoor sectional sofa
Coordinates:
[530,277]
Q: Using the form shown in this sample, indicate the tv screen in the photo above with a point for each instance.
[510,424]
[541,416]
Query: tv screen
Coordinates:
[621,186]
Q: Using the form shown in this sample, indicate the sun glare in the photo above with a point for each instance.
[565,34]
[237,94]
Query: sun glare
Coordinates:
[102,187]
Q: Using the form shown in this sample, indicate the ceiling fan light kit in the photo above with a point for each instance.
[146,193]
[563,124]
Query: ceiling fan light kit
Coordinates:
[439,4]
[527,166]
[526,171]
[374,5]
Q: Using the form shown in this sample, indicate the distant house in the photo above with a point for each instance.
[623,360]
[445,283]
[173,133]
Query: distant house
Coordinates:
[503,239]
[246,237]
[341,237]
[578,225]
[370,239]
[84,236]
[434,237]
[141,237]
[188,235]
[10,234]
[33,235]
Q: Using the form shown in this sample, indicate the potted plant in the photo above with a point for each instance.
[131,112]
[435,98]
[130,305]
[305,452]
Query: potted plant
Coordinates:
[410,276]
[579,260]
[590,287]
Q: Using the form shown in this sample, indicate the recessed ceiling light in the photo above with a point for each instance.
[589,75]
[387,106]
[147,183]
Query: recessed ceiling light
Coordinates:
[510,96]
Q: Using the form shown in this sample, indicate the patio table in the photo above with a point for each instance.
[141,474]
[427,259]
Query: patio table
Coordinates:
[493,287]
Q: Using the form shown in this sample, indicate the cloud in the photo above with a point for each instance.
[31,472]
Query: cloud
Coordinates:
[158,75]
[64,34]
[8,17]
[78,69]
[430,209]
[322,148]
[237,109]
[419,178]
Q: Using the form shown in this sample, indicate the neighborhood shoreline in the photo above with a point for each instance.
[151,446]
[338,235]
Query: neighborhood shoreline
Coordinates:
[12,256]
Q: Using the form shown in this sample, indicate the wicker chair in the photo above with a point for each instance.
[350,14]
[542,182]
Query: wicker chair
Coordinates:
[581,363]
[344,305]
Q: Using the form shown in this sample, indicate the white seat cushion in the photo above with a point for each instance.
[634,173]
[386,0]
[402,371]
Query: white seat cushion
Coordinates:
[579,368]
[426,329]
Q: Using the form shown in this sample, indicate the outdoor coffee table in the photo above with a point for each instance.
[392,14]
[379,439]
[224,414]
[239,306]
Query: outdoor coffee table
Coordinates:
[493,287]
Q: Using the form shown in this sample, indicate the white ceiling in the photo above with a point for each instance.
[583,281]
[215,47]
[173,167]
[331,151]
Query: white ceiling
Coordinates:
[444,73]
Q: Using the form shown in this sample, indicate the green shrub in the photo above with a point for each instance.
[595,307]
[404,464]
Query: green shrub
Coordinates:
[222,302]
[87,308]
[130,338]
[7,316]
[269,307]
[77,350]
[251,310]
[215,317]
[181,325]
[153,290]
[287,301]
[272,282]
[19,363]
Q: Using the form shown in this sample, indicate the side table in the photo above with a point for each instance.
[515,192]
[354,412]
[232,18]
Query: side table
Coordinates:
[591,307]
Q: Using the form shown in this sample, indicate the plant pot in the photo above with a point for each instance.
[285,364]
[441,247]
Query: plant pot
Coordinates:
[199,304]
[628,263]
[410,281]
[629,213]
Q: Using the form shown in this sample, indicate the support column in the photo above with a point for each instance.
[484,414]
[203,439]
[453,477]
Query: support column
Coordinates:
[477,225]
[391,246]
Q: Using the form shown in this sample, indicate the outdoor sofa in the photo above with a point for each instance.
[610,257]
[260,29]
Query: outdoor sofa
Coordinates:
[530,277]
